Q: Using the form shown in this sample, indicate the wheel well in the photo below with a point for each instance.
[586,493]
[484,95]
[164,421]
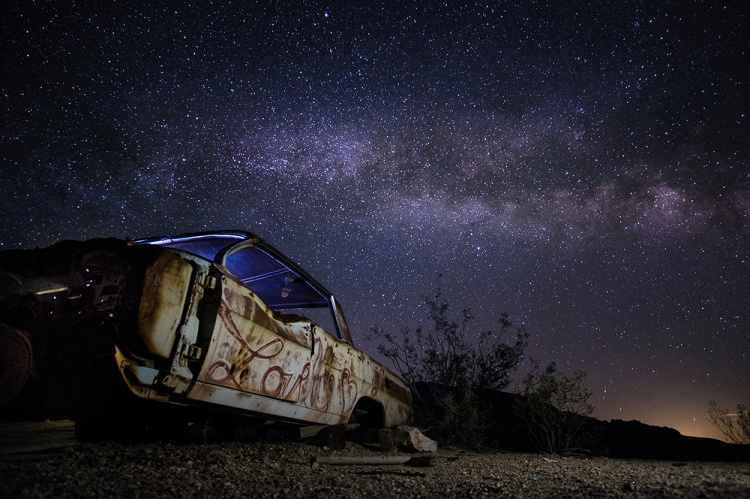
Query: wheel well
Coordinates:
[368,413]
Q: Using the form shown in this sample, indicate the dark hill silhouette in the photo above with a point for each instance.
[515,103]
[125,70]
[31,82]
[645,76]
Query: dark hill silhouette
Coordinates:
[633,439]
[615,438]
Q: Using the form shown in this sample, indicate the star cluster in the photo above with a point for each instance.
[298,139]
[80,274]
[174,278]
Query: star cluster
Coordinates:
[581,166]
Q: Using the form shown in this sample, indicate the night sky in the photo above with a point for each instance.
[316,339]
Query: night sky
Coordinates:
[583,167]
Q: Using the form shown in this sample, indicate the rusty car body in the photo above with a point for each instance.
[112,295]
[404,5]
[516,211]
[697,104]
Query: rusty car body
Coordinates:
[220,321]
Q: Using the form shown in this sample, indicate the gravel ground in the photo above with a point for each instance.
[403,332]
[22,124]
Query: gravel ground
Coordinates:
[246,470]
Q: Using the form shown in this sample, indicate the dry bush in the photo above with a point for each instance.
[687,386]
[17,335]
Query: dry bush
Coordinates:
[449,367]
[452,363]
[451,355]
[555,409]
[736,427]
[452,416]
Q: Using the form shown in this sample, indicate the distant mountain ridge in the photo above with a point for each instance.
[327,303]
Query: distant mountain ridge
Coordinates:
[633,439]
[615,438]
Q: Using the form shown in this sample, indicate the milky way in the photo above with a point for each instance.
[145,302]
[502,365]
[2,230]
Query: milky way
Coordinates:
[582,167]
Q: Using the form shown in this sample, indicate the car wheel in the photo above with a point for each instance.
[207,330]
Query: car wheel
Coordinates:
[16,362]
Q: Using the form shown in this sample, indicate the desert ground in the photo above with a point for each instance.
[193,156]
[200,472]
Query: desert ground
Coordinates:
[289,469]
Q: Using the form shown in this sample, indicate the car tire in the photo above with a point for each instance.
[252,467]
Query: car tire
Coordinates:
[16,362]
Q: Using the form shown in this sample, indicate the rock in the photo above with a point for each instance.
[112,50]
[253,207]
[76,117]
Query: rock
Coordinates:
[416,441]
[408,438]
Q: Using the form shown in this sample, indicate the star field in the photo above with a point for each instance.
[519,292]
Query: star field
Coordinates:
[581,166]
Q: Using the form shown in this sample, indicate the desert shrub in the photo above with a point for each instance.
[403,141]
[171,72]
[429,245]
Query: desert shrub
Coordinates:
[736,426]
[450,363]
[457,373]
[555,409]
[452,415]
[452,355]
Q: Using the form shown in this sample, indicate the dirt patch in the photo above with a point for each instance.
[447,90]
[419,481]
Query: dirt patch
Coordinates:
[245,470]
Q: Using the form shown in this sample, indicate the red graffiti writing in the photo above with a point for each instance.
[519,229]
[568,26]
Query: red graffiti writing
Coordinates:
[314,385]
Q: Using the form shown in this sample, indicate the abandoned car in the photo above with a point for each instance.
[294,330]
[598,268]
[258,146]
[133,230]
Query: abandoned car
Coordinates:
[221,322]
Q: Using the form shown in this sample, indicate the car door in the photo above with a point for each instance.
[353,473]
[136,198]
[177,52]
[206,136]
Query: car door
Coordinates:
[259,348]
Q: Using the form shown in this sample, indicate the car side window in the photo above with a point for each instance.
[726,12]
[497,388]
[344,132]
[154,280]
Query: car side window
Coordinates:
[280,288]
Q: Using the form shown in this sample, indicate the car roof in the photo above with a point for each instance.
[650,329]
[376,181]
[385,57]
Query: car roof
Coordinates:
[208,245]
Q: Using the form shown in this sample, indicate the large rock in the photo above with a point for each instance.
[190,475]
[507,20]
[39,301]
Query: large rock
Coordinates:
[405,438]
